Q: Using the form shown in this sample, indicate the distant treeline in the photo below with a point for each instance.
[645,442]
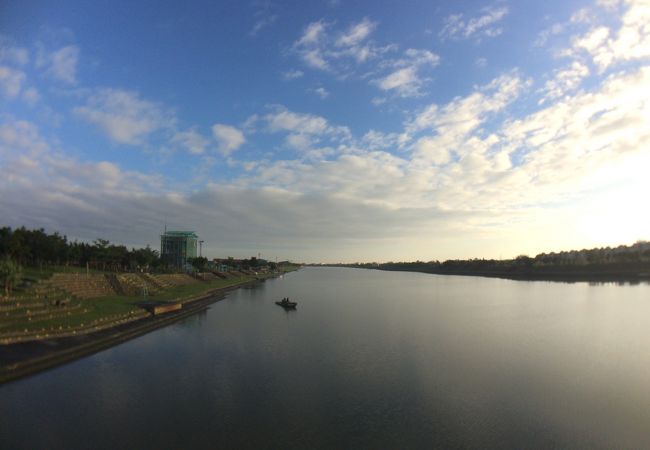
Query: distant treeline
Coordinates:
[38,248]
[622,262]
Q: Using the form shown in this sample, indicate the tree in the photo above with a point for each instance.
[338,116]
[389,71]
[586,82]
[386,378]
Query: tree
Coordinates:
[524,261]
[146,257]
[199,263]
[10,273]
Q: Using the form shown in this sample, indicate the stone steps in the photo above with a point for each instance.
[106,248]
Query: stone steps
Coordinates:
[81,285]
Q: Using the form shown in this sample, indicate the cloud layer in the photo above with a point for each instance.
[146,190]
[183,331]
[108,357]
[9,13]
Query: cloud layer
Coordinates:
[517,163]
[123,116]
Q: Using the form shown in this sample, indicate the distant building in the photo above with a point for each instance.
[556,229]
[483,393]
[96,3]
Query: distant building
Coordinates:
[177,247]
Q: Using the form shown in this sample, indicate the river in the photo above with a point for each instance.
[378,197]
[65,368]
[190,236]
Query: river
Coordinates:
[369,359]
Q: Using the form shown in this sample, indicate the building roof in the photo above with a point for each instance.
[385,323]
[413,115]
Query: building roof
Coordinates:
[189,234]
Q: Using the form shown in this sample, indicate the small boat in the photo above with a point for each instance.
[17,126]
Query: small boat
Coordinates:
[285,303]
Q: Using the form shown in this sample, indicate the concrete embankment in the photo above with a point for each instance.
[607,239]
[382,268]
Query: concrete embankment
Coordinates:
[22,359]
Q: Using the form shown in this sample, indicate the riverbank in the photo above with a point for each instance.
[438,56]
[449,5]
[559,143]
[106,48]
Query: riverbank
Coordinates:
[625,264]
[525,269]
[631,277]
[25,358]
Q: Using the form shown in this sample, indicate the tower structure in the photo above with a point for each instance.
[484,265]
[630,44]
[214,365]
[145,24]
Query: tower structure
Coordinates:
[177,247]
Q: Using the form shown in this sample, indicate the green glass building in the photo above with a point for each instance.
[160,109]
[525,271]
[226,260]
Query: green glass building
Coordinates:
[177,247]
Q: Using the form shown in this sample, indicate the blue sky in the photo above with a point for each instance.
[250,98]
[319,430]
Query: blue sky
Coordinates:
[329,131]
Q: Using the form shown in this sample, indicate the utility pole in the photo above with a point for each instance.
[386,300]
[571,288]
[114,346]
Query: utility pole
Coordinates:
[201,248]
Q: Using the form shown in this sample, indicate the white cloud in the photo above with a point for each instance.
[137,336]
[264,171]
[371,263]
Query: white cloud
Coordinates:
[312,135]
[322,92]
[466,112]
[340,53]
[33,164]
[21,137]
[228,137]
[610,4]
[123,116]
[630,43]
[356,33]
[60,64]
[11,82]
[314,58]
[376,140]
[416,58]
[299,141]
[284,120]
[455,125]
[12,54]
[193,141]
[593,40]
[583,15]
[312,34]
[457,27]
[31,96]
[403,79]
[579,17]
[264,15]
[262,23]
[406,79]
[319,48]
[436,153]
[292,74]
[572,141]
[564,80]
[545,34]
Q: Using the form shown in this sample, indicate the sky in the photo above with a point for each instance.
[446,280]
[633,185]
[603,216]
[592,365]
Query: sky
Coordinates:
[334,131]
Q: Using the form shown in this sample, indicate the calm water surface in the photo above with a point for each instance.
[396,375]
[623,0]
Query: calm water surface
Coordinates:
[369,360]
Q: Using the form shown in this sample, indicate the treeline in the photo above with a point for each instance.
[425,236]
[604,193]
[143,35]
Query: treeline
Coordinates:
[624,261]
[38,248]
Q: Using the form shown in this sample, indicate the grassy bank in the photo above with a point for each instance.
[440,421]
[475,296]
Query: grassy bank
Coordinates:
[44,308]
[20,359]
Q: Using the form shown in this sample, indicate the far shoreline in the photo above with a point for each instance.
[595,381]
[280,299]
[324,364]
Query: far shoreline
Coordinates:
[581,277]
[551,277]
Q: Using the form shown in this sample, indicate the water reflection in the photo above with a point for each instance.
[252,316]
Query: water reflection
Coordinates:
[194,320]
[369,360]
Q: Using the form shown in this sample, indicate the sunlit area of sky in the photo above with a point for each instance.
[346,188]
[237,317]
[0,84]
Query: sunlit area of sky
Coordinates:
[334,131]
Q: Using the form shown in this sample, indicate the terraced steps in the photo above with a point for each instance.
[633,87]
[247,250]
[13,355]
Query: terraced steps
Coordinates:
[155,281]
[174,279]
[134,284]
[82,285]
